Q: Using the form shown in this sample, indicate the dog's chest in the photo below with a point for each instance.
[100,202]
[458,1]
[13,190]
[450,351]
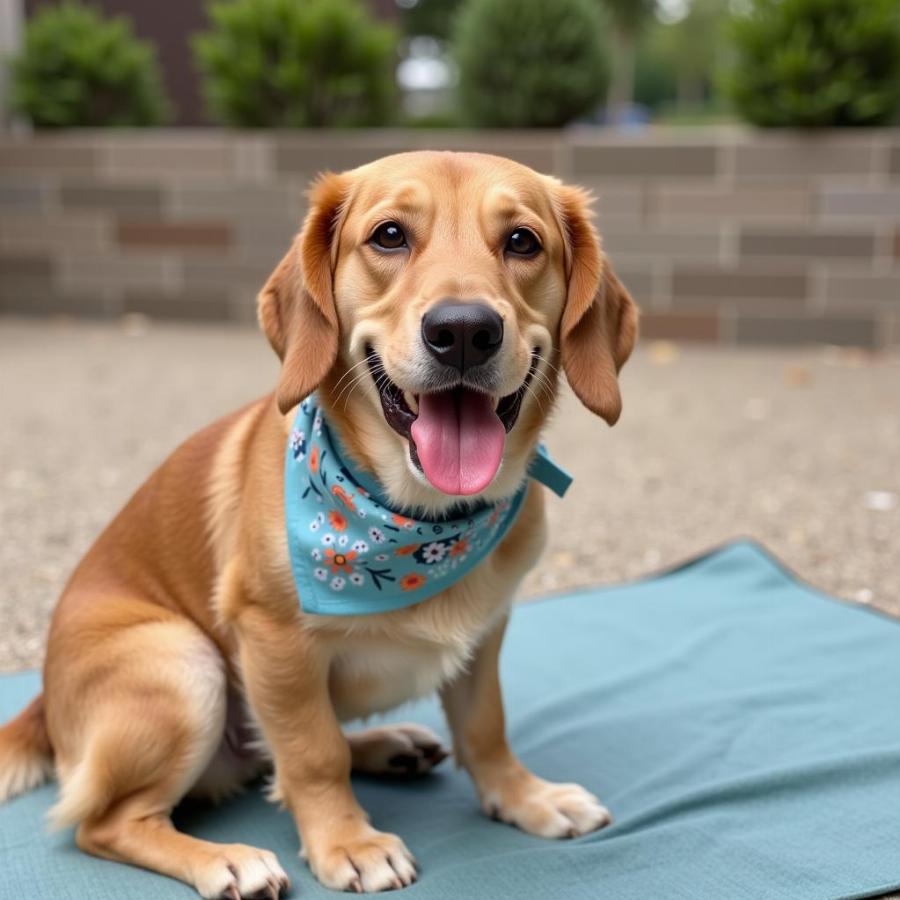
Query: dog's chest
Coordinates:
[378,670]
[376,676]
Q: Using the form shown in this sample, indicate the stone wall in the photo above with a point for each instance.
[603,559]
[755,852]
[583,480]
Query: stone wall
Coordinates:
[722,235]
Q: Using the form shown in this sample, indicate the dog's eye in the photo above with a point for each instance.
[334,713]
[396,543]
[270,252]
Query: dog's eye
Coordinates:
[523,242]
[388,236]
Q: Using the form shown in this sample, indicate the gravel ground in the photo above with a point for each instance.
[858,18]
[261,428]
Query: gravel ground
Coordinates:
[799,449]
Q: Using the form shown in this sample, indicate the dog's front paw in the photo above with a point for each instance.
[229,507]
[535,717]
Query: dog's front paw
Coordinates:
[546,809]
[236,871]
[366,861]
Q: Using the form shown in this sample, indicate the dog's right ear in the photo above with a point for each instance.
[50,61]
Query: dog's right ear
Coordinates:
[296,307]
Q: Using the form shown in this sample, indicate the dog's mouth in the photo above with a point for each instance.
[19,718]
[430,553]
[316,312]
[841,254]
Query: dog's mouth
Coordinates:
[456,435]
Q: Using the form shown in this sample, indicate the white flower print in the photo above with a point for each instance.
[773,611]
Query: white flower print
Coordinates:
[317,423]
[337,583]
[361,513]
[316,553]
[357,579]
[316,523]
[360,547]
[381,557]
[321,574]
[327,539]
[433,552]
[343,540]
[376,534]
[298,442]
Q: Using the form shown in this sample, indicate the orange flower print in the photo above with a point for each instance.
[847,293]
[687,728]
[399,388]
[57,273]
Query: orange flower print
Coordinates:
[338,522]
[314,459]
[402,521]
[344,497]
[340,562]
[406,550]
[412,582]
[459,547]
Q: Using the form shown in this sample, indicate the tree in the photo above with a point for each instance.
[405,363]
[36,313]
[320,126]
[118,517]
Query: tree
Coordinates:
[691,48]
[530,63]
[282,63]
[77,69]
[816,63]
[628,17]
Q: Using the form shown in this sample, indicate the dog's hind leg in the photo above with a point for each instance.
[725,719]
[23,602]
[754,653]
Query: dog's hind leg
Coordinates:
[402,750]
[145,728]
[129,834]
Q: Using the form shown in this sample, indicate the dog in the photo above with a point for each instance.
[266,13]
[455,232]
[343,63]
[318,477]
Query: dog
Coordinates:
[428,304]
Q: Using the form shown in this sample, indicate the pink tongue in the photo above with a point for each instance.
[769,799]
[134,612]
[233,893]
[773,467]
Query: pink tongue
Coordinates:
[459,439]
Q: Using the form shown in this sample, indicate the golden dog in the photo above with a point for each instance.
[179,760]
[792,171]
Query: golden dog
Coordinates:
[416,278]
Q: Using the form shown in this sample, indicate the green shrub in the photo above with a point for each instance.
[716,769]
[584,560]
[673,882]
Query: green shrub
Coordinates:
[78,69]
[286,63]
[530,63]
[816,63]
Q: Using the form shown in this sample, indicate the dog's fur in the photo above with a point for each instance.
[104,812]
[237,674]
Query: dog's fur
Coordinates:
[181,628]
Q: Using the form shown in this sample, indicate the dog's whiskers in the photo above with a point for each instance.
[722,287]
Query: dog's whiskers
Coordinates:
[353,383]
[544,383]
[351,387]
[350,372]
[536,398]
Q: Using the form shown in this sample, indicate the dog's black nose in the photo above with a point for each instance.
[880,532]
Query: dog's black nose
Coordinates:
[462,335]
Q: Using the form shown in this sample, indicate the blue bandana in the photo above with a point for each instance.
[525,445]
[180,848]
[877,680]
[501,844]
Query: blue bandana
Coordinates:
[351,554]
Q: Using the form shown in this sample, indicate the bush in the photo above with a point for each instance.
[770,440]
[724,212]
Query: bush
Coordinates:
[530,63]
[78,69]
[285,63]
[816,63]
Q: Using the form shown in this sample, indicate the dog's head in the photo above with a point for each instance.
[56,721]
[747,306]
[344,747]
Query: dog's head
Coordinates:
[431,298]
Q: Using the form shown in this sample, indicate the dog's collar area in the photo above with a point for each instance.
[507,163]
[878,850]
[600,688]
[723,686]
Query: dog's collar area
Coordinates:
[352,554]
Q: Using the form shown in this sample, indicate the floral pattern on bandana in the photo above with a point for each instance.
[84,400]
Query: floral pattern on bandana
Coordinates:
[350,553]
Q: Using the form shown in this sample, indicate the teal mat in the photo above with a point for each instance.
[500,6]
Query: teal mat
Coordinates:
[743,729]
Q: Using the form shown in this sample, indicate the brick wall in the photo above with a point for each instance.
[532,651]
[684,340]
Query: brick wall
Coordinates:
[722,235]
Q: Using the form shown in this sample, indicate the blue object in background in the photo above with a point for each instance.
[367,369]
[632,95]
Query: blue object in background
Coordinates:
[743,728]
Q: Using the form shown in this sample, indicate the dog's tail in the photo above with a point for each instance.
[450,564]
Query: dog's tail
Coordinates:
[26,757]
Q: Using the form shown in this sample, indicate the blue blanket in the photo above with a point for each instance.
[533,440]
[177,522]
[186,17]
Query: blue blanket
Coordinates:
[743,729]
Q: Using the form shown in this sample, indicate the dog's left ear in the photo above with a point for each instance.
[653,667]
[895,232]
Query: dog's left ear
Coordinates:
[599,321]
[296,307]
